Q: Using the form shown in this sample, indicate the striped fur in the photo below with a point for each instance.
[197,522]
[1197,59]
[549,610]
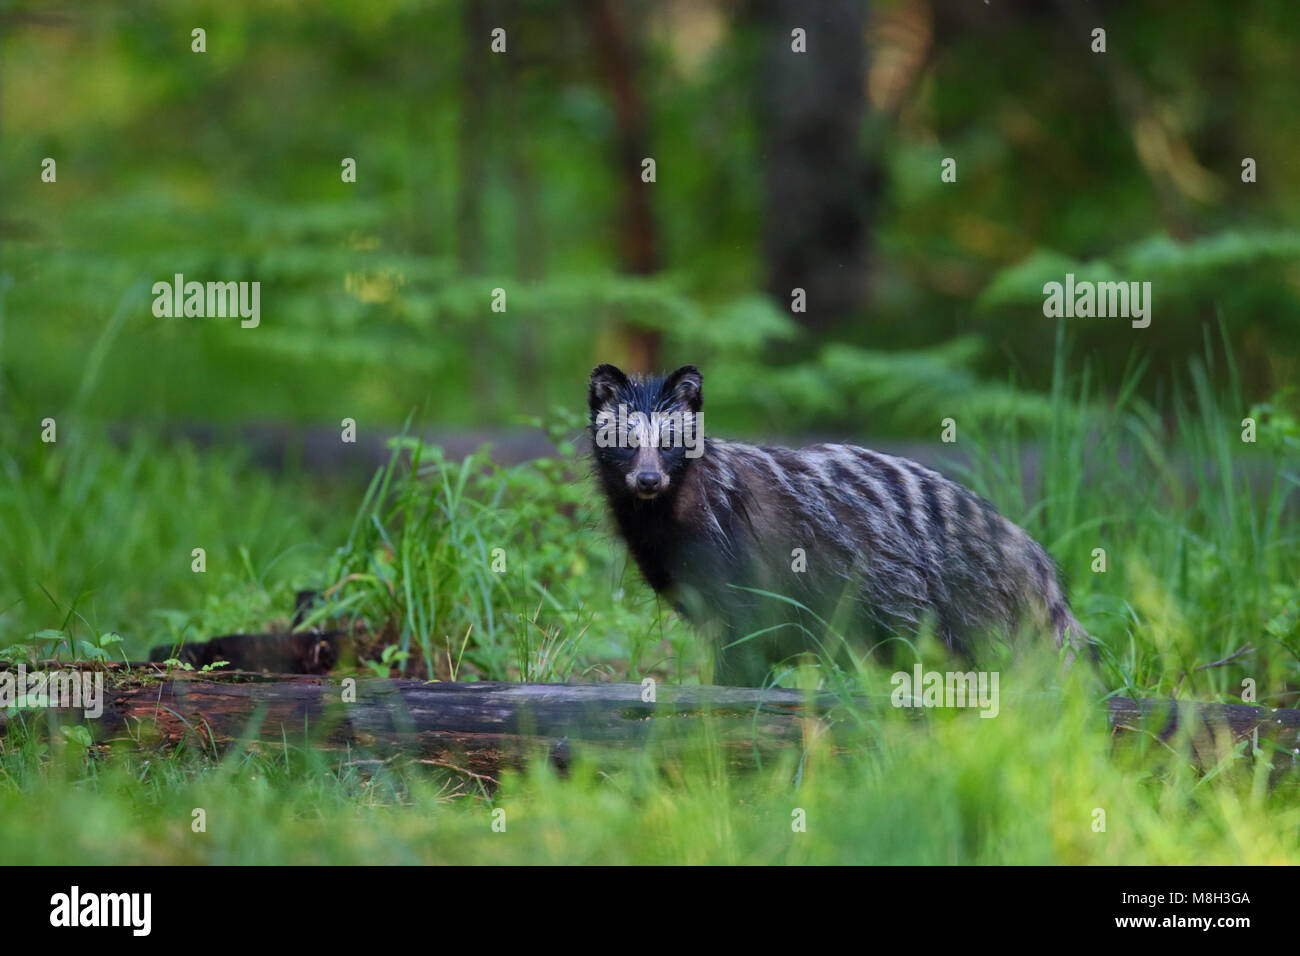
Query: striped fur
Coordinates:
[889,544]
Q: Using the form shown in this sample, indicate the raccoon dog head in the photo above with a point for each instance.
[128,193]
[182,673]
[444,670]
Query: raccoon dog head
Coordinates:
[645,432]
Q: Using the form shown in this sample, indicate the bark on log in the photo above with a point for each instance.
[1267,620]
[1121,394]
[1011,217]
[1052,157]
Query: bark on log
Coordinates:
[482,726]
[1212,729]
[478,726]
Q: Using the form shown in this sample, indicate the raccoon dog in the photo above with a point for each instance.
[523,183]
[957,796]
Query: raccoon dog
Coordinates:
[762,547]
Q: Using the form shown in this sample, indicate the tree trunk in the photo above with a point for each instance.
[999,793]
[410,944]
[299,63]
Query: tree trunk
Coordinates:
[638,235]
[819,190]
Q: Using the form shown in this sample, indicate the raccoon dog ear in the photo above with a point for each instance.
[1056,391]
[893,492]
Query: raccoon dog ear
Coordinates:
[687,385]
[606,382]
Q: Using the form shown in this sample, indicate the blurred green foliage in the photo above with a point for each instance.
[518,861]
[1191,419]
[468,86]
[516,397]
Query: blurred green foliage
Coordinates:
[376,300]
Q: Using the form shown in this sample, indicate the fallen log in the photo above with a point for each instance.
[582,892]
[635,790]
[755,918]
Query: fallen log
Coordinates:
[482,726]
[479,726]
[1210,730]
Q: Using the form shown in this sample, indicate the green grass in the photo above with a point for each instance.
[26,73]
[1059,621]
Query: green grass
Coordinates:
[474,570]
[1203,559]
[1202,552]
[99,537]
[1024,788]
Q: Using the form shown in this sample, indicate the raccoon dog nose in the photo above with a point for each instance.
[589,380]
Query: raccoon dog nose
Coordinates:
[647,481]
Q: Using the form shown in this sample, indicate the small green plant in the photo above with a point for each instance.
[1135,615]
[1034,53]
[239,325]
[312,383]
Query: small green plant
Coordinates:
[99,651]
[48,644]
[186,666]
[390,657]
[78,735]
